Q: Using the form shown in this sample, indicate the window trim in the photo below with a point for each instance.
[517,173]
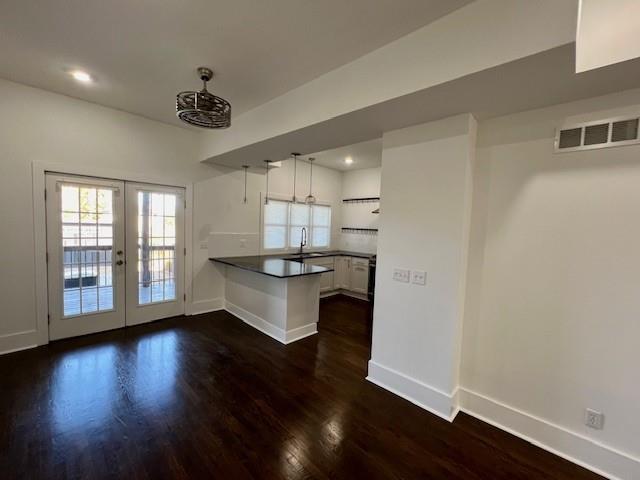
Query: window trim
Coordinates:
[287,249]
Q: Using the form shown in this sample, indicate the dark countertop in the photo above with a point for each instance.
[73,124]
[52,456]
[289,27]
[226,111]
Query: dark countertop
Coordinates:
[296,257]
[287,264]
[272,266]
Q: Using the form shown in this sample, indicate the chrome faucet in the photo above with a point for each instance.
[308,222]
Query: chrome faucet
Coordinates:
[303,239]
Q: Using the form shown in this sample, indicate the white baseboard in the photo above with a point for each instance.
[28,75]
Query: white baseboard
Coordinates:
[299,333]
[349,293]
[572,446]
[206,306]
[425,396]
[267,328]
[15,342]
[256,322]
[329,294]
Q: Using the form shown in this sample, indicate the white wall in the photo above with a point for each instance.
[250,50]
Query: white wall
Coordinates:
[37,126]
[552,315]
[360,183]
[424,225]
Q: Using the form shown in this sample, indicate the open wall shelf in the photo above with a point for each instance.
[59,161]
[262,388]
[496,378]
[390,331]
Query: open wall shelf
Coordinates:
[366,231]
[361,200]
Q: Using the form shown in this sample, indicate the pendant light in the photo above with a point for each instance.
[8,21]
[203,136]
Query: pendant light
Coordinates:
[310,200]
[245,167]
[266,197]
[295,165]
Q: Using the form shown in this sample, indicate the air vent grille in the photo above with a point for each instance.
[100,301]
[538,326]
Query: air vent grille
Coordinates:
[572,137]
[595,134]
[602,134]
[624,130]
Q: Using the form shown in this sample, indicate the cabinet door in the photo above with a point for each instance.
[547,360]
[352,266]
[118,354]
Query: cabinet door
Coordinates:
[326,279]
[339,272]
[343,272]
[326,282]
[359,276]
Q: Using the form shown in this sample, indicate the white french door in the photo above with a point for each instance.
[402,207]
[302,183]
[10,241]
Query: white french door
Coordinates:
[85,249]
[155,252]
[115,254]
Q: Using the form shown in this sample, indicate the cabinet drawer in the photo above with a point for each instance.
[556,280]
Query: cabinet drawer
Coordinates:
[362,262]
[322,261]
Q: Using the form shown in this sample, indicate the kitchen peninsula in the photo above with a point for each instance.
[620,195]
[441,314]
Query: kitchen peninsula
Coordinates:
[278,296]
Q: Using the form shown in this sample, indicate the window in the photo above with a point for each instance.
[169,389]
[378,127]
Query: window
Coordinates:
[283,223]
[320,226]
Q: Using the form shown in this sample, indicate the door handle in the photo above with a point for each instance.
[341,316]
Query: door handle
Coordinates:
[120,262]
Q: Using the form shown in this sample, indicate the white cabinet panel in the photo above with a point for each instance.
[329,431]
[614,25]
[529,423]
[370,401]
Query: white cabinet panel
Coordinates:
[359,275]
[343,272]
[326,279]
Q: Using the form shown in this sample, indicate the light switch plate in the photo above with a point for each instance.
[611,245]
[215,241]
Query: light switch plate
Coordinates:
[418,277]
[401,275]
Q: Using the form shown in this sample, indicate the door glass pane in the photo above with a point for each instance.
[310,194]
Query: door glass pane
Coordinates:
[156,247]
[87,239]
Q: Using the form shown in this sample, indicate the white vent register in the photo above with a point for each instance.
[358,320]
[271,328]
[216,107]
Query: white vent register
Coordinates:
[599,134]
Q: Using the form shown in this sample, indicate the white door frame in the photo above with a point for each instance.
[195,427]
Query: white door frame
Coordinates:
[38,170]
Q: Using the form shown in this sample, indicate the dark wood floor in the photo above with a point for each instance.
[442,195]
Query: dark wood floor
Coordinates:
[209,397]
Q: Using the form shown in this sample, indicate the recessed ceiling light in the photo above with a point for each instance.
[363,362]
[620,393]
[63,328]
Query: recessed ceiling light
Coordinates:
[348,160]
[81,76]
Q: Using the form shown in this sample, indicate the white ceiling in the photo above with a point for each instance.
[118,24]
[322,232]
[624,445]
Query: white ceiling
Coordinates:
[143,52]
[364,155]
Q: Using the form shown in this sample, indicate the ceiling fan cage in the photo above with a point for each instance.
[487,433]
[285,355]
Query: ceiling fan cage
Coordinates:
[201,108]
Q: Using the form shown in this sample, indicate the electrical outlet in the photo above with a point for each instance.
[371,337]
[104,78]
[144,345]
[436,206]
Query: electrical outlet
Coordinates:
[593,419]
[243,243]
[418,277]
[400,275]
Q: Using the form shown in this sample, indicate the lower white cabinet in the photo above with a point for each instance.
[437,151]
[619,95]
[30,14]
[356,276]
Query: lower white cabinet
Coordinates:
[326,279]
[359,275]
[343,273]
[350,273]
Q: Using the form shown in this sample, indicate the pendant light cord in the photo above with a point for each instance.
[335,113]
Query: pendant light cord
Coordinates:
[246,168]
[295,167]
[266,197]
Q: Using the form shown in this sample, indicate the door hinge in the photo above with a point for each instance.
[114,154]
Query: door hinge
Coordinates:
[46,256]
[185,203]
[48,319]
[184,297]
[185,250]
[45,194]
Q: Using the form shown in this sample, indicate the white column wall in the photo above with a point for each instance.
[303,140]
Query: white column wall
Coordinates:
[424,225]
